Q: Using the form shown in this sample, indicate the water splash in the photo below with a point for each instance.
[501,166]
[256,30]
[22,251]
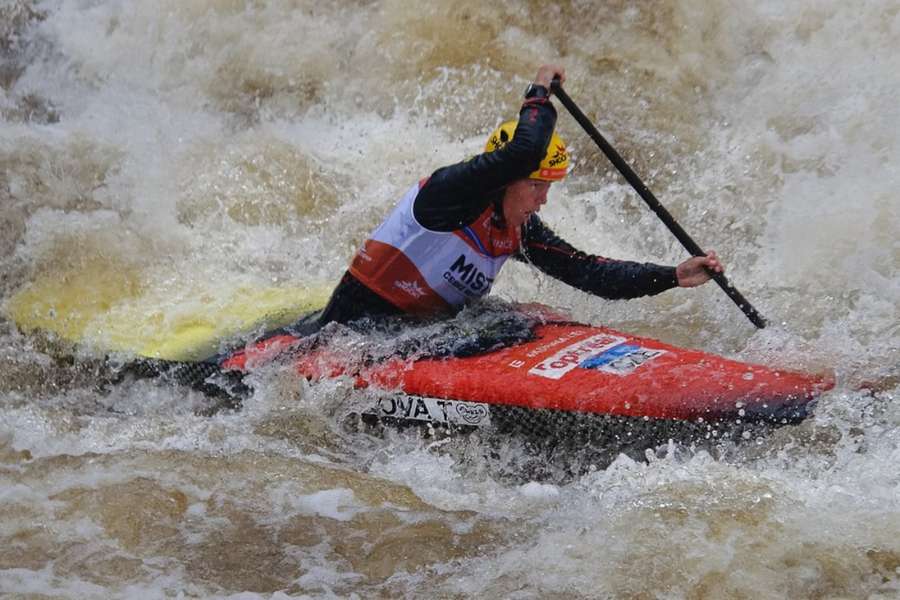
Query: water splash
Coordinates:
[228,144]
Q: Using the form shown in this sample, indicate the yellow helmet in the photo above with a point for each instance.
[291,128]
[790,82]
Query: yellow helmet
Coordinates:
[553,166]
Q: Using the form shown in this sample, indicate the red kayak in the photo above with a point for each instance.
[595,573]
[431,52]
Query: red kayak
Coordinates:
[566,371]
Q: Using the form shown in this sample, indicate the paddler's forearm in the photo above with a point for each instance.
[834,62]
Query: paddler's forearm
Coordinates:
[455,195]
[607,278]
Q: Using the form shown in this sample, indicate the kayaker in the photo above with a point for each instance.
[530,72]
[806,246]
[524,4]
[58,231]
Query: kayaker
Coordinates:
[443,244]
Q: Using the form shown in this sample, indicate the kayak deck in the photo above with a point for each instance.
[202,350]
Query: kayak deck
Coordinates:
[575,368]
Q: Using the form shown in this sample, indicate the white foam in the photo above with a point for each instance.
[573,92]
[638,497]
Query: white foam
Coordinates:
[768,128]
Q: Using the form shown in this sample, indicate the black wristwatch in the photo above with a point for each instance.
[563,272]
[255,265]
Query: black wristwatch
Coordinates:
[535,90]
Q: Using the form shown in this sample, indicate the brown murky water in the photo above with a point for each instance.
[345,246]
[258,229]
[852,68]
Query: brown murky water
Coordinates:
[189,150]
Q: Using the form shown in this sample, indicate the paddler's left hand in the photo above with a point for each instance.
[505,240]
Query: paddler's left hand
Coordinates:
[691,272]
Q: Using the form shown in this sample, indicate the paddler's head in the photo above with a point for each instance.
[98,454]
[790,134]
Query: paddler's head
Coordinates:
[524,197]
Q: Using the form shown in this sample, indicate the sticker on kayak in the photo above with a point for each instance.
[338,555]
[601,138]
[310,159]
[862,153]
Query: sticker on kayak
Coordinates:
[622,359]
[433,410]
[572,356]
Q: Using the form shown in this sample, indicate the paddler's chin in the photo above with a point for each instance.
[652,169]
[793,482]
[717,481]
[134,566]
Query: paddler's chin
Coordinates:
[523,198]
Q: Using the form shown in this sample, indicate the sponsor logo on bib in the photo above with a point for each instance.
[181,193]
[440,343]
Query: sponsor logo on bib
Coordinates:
[411,288]
[466,278]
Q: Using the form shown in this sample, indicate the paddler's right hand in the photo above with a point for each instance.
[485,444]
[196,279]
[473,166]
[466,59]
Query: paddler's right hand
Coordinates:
[546,74]
[695,271]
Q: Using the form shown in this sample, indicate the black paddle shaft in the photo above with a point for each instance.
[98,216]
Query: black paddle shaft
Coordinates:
[654,204]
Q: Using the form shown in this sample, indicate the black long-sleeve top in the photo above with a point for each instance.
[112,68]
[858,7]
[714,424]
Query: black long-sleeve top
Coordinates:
[454,196]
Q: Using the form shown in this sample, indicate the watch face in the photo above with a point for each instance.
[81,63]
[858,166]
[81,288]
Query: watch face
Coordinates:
[534,90]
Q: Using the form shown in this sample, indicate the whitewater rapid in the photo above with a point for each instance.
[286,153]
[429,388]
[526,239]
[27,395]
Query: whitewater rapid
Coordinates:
[194,149]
